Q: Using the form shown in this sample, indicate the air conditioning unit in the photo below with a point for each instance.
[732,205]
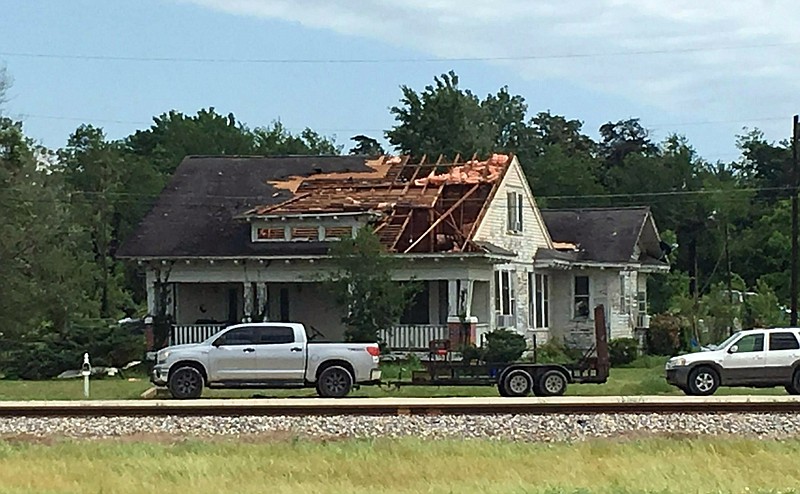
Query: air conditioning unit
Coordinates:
[505,321]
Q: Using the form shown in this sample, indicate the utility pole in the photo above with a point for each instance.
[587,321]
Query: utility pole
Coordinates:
[794,222]
[728,278]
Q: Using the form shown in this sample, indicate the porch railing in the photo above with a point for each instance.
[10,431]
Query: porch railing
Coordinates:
[193,333]
[413,337]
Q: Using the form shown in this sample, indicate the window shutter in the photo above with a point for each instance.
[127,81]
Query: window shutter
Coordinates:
[511,210]
[519,212]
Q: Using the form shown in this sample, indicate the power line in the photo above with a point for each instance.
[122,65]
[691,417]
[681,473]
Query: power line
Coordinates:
[312,61]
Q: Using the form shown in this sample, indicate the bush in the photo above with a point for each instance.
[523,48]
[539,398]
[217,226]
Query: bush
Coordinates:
[623,351]
[664,335]
[647,362]
[555,351]
[47,352]
[503,346]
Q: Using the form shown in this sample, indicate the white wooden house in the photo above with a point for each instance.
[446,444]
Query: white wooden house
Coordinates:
[243,238]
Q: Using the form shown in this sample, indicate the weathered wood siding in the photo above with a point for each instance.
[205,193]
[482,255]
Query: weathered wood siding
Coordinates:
[604,288]
[494,229]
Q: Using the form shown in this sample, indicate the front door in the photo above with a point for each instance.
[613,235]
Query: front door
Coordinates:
[280,358]
[745,360]
[233,357]
[784,351]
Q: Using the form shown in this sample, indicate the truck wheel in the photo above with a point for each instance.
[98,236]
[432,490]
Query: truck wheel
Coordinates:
[334,382]
[794,388]
[185,383]
[517,383]
[703,381]
[552,383]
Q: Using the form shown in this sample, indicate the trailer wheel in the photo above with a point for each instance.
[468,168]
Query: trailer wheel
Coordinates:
[517,383]
[552,383]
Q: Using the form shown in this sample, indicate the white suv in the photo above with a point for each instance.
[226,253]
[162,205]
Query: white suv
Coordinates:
[760,358]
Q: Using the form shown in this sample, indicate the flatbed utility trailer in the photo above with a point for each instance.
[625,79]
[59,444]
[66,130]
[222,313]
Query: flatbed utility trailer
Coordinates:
[516,378]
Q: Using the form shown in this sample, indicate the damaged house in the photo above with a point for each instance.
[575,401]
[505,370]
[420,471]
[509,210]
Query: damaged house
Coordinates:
[235,239]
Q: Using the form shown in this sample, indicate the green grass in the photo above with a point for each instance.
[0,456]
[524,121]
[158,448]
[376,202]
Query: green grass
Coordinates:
[286,465]
[622,381]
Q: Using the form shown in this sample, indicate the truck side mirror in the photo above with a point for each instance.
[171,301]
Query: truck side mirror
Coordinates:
[733,349]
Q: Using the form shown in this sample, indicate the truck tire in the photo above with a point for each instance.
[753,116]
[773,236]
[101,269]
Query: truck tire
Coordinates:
[185,383]
[516,383]
[334,382]
[703,381]
[552,383]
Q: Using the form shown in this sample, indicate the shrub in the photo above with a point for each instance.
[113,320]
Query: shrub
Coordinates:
[503,346]
[47,352]
[664,335]
[623,351]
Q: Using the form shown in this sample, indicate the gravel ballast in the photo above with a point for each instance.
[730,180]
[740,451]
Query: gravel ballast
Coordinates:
[529,428]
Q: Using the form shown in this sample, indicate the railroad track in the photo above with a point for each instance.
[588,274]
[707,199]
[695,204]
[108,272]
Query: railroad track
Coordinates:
[405,406]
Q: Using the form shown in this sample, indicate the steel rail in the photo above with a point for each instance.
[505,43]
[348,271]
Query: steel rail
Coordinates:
[403,406]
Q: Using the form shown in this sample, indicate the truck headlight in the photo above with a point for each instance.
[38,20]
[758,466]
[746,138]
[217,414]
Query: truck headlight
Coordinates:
[162,356]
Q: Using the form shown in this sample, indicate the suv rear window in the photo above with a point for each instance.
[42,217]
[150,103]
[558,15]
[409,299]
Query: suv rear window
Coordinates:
[783,341]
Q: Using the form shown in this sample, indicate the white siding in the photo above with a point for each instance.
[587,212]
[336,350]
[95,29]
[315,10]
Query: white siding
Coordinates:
[494,229]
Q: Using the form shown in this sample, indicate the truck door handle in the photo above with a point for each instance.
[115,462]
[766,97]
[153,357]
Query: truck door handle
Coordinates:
[297,349]
[249,350]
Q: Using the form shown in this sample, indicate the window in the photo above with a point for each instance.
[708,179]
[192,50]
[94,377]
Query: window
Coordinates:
[271,233]
[337,232]
[504,297]
[581,300]
[750,343]
[539,292]
[275,335]
[783,341]
[641,300]
[514,206]
[238,336]
[305,233]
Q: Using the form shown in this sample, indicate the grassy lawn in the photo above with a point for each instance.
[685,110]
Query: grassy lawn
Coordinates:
[622,382]
[259,465]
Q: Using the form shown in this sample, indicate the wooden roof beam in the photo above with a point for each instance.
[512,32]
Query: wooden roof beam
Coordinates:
[441,218]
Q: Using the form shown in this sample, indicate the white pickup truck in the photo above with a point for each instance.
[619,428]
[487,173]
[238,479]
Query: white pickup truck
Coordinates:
[266,356]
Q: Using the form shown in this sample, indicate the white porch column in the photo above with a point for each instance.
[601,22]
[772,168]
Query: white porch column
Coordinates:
[261,300]
[150,280]
[248,301]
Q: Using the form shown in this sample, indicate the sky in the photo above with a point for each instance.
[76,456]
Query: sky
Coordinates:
[702,69]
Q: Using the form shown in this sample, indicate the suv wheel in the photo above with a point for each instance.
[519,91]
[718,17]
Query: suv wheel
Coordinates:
[185,383]
[703,381]
[334,382]
[517,383]
[794,388]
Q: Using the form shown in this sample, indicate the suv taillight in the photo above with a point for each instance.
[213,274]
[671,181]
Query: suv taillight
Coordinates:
[374,351]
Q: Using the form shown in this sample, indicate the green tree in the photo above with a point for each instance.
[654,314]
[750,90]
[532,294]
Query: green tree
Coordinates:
[362,285]
[174,136]
[43,257]
[275,139]
[442,119]
[366,146]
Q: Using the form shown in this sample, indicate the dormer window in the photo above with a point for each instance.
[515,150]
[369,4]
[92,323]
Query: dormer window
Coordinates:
[271,233]
[302,230]
[304,233]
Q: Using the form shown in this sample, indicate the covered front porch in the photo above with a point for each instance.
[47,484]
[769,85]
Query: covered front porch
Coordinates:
[201,309]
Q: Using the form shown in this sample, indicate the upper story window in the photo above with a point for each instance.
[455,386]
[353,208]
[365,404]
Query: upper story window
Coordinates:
[271,233]
[514,202]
